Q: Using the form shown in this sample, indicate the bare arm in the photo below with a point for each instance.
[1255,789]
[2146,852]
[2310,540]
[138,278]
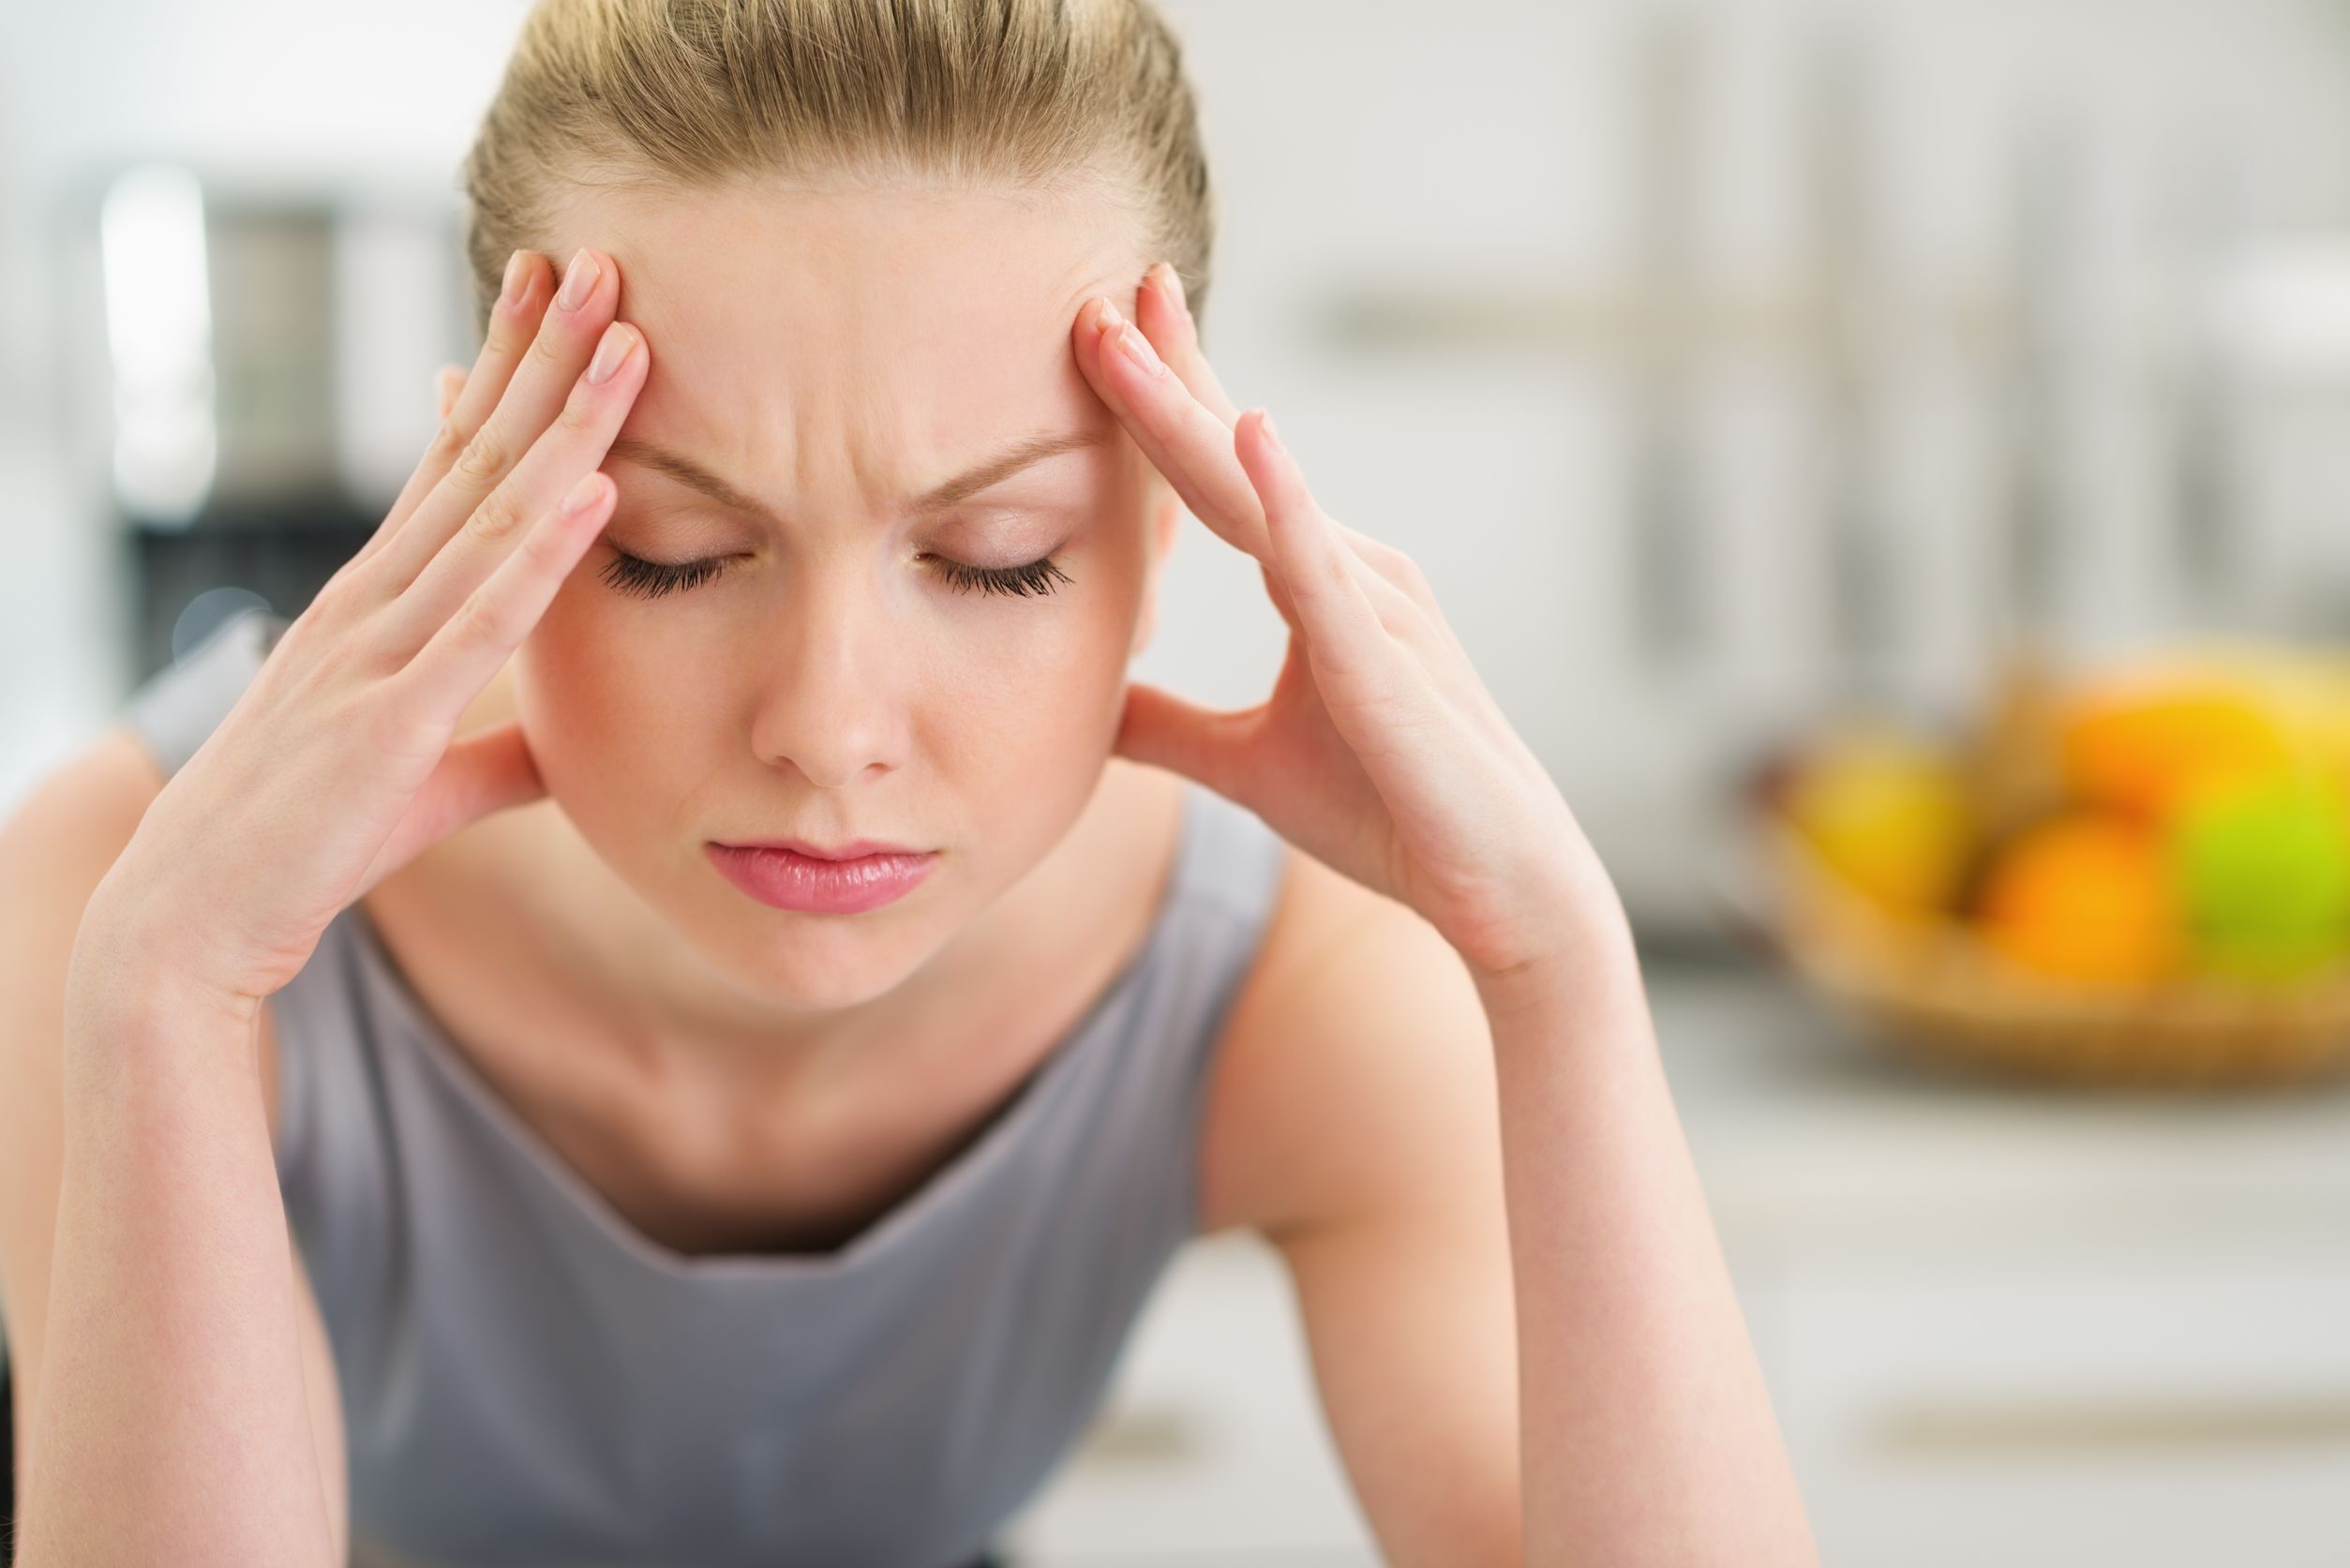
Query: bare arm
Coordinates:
[1648,1433]
[52,852]
[1522,1334]
[170,1234]
[1352,1126]
[173,1424]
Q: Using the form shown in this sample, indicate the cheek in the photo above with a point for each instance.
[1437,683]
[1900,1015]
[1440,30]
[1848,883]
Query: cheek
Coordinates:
[608,711]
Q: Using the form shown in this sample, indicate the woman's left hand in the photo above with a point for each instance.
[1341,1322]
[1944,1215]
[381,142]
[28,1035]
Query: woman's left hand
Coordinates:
[1379,753]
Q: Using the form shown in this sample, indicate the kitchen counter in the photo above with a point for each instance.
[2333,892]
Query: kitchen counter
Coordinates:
[1803,1129]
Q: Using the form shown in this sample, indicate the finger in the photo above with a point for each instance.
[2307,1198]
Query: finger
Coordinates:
[1166,320]
[1181,436]
[449,383]
[1161,729]
[474,644]
[1411,606]
[1350,645]
[567,335]
[574,445]
[480,773]
[522,303]
[1160,309]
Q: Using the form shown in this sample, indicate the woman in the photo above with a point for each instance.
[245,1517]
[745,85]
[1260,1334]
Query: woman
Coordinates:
[658,1196]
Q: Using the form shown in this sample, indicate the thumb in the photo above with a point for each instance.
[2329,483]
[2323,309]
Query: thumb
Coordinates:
[477,776]
[1162,730]
[484,772]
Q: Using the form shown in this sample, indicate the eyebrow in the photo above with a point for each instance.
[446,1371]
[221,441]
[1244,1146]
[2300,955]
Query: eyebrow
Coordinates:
[994,471]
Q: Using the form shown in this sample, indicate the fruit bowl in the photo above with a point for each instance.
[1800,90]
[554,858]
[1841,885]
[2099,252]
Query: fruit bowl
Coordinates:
[1935,990]
[2137,876]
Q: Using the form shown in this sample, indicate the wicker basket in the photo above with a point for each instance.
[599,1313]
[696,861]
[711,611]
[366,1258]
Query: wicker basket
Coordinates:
[1935,987]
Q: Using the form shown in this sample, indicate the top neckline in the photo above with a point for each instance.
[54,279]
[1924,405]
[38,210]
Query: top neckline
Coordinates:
[1003,1128]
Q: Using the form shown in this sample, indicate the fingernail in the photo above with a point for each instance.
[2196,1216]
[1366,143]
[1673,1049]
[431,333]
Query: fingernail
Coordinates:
[583,494]
[1110,317]
[510,292]
[619,341]
[1272,437]
[578,281]
[1138,349]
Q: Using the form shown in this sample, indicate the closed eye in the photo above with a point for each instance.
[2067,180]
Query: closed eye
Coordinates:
[650,579]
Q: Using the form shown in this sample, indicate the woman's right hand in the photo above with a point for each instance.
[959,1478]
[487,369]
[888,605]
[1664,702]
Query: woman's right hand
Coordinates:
[339,763]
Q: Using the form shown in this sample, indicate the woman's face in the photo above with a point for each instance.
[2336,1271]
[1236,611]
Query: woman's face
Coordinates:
[824,364]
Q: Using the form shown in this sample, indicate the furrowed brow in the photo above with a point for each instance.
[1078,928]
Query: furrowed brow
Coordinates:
[994,471]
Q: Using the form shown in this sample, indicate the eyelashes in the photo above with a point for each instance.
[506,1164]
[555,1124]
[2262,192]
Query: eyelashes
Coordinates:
[647,579]
[1037,577]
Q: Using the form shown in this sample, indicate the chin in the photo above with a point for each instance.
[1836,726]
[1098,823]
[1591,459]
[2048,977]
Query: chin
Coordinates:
[822,962]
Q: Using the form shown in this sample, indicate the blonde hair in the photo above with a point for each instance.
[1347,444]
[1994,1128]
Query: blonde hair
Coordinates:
[1061,94]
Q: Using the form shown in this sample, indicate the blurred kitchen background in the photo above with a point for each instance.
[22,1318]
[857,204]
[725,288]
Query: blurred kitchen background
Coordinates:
[1729,368]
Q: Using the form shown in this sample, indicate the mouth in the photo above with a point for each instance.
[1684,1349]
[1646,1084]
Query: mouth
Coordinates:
[842,879]
[854,850]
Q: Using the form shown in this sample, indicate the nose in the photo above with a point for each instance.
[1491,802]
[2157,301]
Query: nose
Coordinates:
[829,706]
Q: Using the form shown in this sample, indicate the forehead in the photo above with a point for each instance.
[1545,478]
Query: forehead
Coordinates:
[916,321]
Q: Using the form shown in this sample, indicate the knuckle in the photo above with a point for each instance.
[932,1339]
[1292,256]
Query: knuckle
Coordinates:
[1386,559]
[496,517]
[478,622]
[550,348]
[579,413]
[333,598]
[389,722]
[448,441]
[485,455]
[506,334]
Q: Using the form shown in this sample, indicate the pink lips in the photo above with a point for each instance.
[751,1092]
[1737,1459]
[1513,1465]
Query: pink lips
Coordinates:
[845,880]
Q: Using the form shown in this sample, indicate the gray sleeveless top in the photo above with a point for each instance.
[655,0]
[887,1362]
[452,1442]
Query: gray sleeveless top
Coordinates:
[527,1378]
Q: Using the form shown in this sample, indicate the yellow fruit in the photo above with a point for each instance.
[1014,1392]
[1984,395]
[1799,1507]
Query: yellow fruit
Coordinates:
[2086,896]
[1886,811]
[2309,689]
[2141,744]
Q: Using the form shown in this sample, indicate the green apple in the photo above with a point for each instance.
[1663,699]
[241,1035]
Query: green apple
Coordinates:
[2263,870]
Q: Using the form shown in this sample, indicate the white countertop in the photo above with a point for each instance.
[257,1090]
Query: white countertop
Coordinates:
[1803,1128]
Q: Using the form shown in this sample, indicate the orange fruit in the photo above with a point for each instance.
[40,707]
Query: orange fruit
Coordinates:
[2141,745]
[2085,897]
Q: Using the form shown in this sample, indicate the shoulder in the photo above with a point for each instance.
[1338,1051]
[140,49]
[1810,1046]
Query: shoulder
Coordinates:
[60,839]
[57,843]
[1353,1062]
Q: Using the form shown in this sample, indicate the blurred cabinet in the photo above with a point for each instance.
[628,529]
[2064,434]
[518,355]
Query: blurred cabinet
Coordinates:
[252,359]
[187,581]
[2026,1327]
[1965,1405]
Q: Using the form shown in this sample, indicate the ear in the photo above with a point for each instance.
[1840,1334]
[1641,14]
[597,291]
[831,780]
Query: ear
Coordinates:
[1166,526]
